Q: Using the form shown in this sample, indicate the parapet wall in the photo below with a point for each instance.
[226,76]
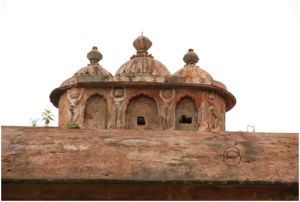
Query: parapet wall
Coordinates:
[54,153]
[48,155]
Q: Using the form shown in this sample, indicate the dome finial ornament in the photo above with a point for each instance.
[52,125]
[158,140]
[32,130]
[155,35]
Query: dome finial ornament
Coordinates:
[93,68]
[142,44]
[142,62]
[94,56]
[191,57]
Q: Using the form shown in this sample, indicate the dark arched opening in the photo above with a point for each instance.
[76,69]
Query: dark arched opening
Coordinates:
[142,114]
[186,114]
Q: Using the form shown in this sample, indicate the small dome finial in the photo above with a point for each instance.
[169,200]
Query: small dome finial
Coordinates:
[142,44]
[191,57]
[94,56]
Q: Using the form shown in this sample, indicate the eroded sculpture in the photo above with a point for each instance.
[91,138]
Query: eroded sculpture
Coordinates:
[74,99]
[118,95]
[167,96]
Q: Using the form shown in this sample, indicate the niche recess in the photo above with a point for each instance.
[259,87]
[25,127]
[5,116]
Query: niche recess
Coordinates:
[185,114]
[141,113]
[95,113]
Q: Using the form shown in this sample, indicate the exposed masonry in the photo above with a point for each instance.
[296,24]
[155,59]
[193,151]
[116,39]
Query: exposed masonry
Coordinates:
[143,95]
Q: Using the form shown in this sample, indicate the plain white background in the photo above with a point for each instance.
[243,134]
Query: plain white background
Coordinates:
[250,46]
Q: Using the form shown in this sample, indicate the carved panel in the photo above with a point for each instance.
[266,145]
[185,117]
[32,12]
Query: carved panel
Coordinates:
[142,114]
[215,120]
[167,97]
[185,115]
[118,95]
[95,115]
[74,97]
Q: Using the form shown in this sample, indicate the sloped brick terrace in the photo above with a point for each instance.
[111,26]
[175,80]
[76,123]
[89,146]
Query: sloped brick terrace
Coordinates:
[55,163]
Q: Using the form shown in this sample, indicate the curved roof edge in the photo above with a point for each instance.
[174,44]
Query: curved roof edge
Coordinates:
[143,81]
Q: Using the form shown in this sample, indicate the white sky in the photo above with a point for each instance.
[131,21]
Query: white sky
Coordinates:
[250,46]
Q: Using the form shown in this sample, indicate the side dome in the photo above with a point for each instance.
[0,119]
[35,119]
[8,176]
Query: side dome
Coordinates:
[142,62]
[93,68]
[190,69]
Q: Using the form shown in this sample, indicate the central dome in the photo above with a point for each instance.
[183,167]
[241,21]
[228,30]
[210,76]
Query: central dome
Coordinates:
[142,62]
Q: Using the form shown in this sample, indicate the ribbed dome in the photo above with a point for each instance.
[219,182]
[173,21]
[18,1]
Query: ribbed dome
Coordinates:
[193,71]
[190,69]
[93,68]
[140,65]
[143,62]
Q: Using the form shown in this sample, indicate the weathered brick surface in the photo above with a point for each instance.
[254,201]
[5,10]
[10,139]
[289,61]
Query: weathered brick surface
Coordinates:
[32,154]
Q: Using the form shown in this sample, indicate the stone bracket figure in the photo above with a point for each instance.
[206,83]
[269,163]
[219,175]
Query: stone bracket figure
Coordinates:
[209,120]
[73,112]
[167,98]
[214,123]
[118,95]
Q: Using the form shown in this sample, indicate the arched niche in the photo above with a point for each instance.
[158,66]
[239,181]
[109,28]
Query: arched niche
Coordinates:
[95,114]
[142,114]
[186,115]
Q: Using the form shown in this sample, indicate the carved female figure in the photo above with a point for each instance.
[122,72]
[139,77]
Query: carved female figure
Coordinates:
[213,120]
[73,100]
[167,96]
[118,95]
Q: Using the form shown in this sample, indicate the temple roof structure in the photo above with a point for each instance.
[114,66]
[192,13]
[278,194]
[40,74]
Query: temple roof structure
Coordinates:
[143,70]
